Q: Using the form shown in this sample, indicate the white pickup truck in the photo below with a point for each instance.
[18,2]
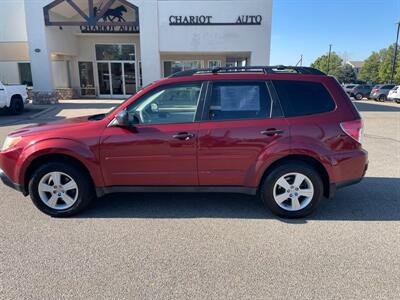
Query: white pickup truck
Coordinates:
[13,98]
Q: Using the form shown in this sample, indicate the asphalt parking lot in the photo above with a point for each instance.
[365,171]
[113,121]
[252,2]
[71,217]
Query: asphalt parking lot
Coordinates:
[213,246]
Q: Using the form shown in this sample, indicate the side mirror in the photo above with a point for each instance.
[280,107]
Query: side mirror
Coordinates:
[122,119]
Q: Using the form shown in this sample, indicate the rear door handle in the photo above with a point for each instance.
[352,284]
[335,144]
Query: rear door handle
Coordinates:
[184,136]
[271,132]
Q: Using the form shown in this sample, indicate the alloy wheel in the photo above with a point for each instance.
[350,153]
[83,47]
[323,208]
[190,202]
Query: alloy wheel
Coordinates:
[293,191]
[58,190]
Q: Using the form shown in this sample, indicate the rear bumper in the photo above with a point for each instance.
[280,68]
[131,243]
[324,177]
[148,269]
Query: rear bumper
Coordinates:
[374,96]
[8,182]
[341,184]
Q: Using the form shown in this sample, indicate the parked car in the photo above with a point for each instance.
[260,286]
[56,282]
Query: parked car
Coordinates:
[13,98]
[348,87]
[289,138]
[360,91]
[394,94]
[380,92]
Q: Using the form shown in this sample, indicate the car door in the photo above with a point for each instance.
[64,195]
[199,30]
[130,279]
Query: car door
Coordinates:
[240,124]
[160,147]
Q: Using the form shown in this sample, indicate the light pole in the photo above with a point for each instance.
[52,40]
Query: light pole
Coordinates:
[395,53]
[300,62]
[329,58]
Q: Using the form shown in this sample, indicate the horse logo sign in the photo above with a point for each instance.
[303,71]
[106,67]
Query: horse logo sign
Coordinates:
[111,16]
[112,13]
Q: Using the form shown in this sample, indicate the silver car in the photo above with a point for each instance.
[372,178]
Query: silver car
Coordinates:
[380,92]
[348,87]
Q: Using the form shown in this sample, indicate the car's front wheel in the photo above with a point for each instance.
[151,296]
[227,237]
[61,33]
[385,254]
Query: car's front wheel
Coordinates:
[359,96]
[60,189]
[382,98]
[292,190]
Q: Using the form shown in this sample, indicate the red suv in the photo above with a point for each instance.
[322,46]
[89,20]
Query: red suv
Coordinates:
[288,134]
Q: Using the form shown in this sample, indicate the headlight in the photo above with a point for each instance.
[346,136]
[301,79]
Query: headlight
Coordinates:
[10,141]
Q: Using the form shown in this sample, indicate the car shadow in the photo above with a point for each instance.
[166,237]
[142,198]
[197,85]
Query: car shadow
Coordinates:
[367,106]
[374,199]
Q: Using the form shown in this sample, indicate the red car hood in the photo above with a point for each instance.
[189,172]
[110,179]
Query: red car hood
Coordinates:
[52,126]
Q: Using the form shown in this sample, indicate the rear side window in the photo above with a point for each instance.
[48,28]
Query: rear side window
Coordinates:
[299,98]
[387,87]
[239,100]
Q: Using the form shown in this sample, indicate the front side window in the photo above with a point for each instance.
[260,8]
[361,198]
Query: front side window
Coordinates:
[167,105]
[300,98]
[239,100]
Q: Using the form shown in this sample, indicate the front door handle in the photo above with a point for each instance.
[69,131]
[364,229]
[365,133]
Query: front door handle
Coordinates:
[271,132]
[184,136]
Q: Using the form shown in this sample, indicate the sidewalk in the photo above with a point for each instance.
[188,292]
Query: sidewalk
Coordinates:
[64,109]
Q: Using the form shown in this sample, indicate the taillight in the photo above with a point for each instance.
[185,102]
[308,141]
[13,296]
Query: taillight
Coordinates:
[375,90]
[354,129]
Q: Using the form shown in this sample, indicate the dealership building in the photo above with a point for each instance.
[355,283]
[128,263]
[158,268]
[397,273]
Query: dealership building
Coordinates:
[111,48]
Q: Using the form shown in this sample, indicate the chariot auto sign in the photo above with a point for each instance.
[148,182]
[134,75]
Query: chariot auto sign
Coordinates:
[110,16]
[208,20]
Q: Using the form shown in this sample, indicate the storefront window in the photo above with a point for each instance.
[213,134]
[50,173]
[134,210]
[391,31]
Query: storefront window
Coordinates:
[171,67]
[25,74]
[214,63]
[86,79]
[115,52]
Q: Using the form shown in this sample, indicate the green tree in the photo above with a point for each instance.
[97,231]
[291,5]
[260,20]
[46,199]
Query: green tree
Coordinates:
[370,70]
[385,68]
[335,65]
[397,75]
[347,74]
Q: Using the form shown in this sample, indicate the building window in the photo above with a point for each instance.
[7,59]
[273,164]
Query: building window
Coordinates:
[115,52]
[25,74]
[171,67]
[86,79]
[140,75]
[214,63]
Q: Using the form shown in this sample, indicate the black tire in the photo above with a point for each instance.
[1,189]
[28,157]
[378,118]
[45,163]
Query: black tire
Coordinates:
[16,105]
[267,187]
[85,187]
[382,98]
[359,96]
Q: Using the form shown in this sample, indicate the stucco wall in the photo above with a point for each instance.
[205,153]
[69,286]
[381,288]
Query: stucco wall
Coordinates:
[211,38]
[12,18]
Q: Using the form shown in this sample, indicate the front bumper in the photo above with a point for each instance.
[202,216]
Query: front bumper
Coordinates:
[8,182]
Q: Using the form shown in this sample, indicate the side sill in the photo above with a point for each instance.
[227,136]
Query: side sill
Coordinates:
[175,189]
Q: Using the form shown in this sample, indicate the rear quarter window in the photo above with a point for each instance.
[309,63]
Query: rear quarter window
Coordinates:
[300,98]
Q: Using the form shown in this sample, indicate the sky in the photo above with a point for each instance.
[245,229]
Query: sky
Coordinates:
[355,28]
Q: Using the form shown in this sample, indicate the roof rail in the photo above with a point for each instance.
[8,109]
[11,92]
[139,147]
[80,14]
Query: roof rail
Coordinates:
[257,69]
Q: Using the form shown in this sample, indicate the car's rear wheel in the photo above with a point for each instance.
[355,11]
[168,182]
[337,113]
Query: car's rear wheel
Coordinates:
[359,96]
[292,190]
[16,106]
[382,98]
[60,189]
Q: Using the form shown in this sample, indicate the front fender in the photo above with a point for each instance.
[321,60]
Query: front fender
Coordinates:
[69,147]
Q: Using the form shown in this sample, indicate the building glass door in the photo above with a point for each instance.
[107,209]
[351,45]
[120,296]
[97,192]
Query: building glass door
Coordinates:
[116,70]
[104,78]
